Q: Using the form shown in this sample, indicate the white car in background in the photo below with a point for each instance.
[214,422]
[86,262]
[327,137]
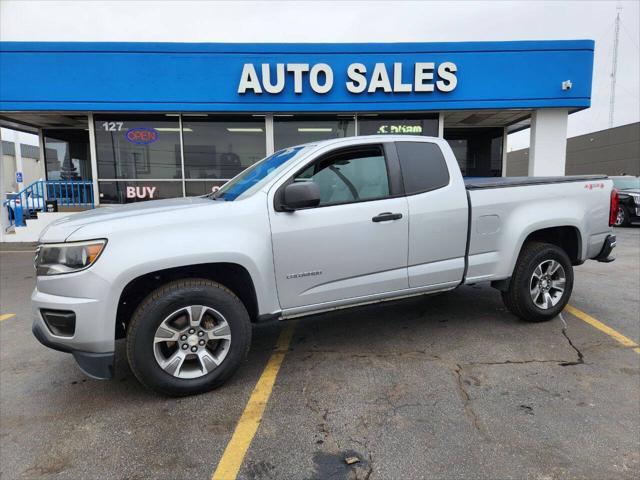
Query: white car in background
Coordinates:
[33,202]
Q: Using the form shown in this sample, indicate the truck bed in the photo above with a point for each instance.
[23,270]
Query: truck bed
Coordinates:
[476,183]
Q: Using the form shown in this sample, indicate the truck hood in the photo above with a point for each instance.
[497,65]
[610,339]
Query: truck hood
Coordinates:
[60,230]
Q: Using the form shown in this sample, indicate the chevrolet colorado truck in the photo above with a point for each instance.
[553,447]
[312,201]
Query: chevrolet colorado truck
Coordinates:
[309,229]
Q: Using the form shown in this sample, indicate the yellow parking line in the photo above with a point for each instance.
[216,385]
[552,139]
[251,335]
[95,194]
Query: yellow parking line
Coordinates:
[234,454]
[626,341]
[6,316]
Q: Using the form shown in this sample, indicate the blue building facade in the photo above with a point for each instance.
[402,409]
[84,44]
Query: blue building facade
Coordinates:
[156,120]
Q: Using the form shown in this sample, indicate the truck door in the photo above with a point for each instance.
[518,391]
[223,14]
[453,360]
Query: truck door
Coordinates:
[354,243]
[438,215]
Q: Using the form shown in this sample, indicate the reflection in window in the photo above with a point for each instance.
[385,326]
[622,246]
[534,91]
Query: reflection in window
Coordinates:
[298,129]
[197,188]
[404,124]
[138,146]
[67,154]
[221,147]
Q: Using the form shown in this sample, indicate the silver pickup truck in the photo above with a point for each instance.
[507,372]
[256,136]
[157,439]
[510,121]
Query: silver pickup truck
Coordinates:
[311,228]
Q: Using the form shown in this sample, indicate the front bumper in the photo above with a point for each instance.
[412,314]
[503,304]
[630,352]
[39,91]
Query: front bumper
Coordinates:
[95,365]
[92,340]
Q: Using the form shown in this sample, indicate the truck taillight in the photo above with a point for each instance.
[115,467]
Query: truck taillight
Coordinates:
[613,207]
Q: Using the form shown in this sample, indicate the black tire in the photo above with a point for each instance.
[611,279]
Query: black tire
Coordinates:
[160,304]
[623,219]
[518,299]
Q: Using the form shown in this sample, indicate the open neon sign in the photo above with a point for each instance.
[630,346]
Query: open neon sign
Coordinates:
[142,135]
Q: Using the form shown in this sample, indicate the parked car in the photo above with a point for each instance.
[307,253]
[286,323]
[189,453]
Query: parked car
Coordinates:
[629,207]
[309,229]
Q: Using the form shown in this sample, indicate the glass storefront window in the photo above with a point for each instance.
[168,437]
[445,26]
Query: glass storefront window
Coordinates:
[291,130]
[221,147]
[138,146]
[197,188]
[394,124]
[477,149]
[129,192]
[66,154]
[147,156]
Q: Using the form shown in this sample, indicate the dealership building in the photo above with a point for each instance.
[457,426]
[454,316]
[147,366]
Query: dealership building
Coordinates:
[160,120]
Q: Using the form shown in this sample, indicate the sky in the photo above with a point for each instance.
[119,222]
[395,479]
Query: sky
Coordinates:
[366,21]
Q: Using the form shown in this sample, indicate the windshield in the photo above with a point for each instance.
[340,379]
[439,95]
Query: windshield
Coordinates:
[255,176]
[625,183]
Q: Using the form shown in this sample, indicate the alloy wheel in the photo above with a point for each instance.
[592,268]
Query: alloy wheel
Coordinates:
[547,284]
[192,342]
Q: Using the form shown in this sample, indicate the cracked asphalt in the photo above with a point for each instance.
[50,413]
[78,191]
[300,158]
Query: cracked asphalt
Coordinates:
[442,387]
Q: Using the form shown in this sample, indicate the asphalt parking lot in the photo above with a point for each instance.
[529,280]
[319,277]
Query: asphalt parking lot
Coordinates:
[447,386]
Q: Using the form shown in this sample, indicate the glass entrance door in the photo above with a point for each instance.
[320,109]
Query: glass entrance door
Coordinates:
[66,154]
[478,150]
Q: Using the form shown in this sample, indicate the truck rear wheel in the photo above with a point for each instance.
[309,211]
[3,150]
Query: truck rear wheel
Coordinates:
[188,337]
[541,284]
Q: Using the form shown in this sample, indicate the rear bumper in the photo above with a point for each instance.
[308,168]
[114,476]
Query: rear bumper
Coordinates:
[607,248]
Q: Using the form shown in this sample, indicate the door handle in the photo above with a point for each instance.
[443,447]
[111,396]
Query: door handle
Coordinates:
[386,217]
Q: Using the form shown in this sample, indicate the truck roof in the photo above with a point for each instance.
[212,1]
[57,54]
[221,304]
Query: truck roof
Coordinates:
[366,138]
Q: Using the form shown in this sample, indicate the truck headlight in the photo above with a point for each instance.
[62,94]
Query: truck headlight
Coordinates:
[59,258]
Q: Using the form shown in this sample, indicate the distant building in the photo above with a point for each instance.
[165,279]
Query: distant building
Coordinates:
[614,151]
[31,168]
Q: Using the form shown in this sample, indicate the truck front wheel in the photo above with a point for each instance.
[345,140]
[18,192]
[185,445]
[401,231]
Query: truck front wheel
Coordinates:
[188,337]
[541,284]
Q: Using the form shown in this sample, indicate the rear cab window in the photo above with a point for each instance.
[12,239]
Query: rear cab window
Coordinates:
[423,167]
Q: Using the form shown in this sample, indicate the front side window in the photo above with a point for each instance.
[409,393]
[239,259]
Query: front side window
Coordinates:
[349,175]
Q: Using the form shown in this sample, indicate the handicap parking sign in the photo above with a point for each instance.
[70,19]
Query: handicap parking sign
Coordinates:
[18,177]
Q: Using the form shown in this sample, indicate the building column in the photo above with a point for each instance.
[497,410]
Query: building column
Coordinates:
[4,216]
[548,145]
[93,154]
[269,134]
[42,160]
[504,151]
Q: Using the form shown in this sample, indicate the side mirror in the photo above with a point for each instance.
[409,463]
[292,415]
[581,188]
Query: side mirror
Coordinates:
[301,195]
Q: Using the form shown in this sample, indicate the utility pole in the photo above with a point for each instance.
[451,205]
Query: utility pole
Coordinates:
[614,68]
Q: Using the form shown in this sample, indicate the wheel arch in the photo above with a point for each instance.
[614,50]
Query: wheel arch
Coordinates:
[232,275]
[567,237]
